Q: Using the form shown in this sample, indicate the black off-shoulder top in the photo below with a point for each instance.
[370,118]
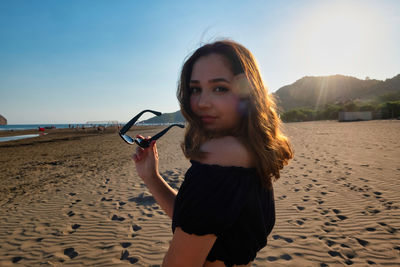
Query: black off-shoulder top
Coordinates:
[230,203]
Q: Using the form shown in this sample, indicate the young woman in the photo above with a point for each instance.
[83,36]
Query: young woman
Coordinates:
[224,209]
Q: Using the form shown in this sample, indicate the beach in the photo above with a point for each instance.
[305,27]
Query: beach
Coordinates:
[72,198]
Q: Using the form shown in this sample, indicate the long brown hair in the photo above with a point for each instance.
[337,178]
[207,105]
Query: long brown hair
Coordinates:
[260,125]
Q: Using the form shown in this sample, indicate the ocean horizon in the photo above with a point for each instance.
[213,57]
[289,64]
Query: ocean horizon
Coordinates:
[17,127]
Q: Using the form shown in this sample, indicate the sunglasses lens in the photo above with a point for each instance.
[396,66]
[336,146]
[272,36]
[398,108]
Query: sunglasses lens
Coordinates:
[127,138]
[142,142]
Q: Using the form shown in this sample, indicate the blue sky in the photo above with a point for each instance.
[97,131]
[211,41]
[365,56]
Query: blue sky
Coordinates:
[78,61]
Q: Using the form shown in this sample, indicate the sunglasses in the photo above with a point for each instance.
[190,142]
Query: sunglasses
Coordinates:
[140,141]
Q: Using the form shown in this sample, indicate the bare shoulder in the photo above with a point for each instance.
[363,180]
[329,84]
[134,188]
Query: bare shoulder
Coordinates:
[226,151]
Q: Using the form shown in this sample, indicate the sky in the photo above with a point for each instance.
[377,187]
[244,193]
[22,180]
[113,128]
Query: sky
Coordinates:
[93,60]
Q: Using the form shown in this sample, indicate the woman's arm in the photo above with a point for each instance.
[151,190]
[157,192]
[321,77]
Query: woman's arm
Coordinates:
[146,161]
[188,250]
[185,249]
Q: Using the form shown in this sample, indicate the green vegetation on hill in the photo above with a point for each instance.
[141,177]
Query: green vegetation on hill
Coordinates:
[315,92]
[321,98]
[380,110]
[175,117]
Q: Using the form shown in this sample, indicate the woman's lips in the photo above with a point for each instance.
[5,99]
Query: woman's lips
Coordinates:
[208,119]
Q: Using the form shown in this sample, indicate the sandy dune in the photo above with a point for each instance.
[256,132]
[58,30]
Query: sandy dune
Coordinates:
[73,198]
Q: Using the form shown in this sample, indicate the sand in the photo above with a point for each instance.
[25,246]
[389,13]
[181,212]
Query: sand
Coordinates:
[72,198]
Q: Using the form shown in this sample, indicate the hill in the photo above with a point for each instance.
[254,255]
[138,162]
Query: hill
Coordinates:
[316,92]
[3,121]
[174,117]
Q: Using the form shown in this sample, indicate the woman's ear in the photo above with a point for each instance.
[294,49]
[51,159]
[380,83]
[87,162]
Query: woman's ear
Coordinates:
[242,85]
[243,107]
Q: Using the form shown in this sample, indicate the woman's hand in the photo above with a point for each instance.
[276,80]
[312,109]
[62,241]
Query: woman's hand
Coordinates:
[146,160]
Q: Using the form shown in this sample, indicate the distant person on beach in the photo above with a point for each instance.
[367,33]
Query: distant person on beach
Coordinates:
[224,209]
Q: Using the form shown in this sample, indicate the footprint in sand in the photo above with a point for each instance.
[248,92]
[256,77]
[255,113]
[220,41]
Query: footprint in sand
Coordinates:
[117,218]
[362,242]
[330,243]
[324,212]
[70,213]
[125,256]
[136,227]
[72,229]
[16,259]
[272,258]
[286,257]
[350,254]
[70,252]
[306,198]
[372,210]
[143,199]
[330,224]
[335,254]
[126,244]
[389,228]
[287,239]
[348,262]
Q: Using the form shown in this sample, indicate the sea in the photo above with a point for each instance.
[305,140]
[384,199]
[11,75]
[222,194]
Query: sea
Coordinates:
[15,127]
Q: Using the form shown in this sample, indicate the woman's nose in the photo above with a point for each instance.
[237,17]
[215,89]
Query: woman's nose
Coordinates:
[204,100]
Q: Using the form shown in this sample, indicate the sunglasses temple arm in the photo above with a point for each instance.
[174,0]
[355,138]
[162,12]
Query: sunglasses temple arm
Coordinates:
[132,121]
[155,137]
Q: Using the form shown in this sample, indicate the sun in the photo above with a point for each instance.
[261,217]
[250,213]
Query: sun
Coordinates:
[337,37]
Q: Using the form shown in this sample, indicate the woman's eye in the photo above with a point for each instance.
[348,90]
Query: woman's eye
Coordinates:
[221,89]
[194,90]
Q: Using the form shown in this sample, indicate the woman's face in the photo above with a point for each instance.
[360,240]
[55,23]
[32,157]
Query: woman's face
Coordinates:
[213,96]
